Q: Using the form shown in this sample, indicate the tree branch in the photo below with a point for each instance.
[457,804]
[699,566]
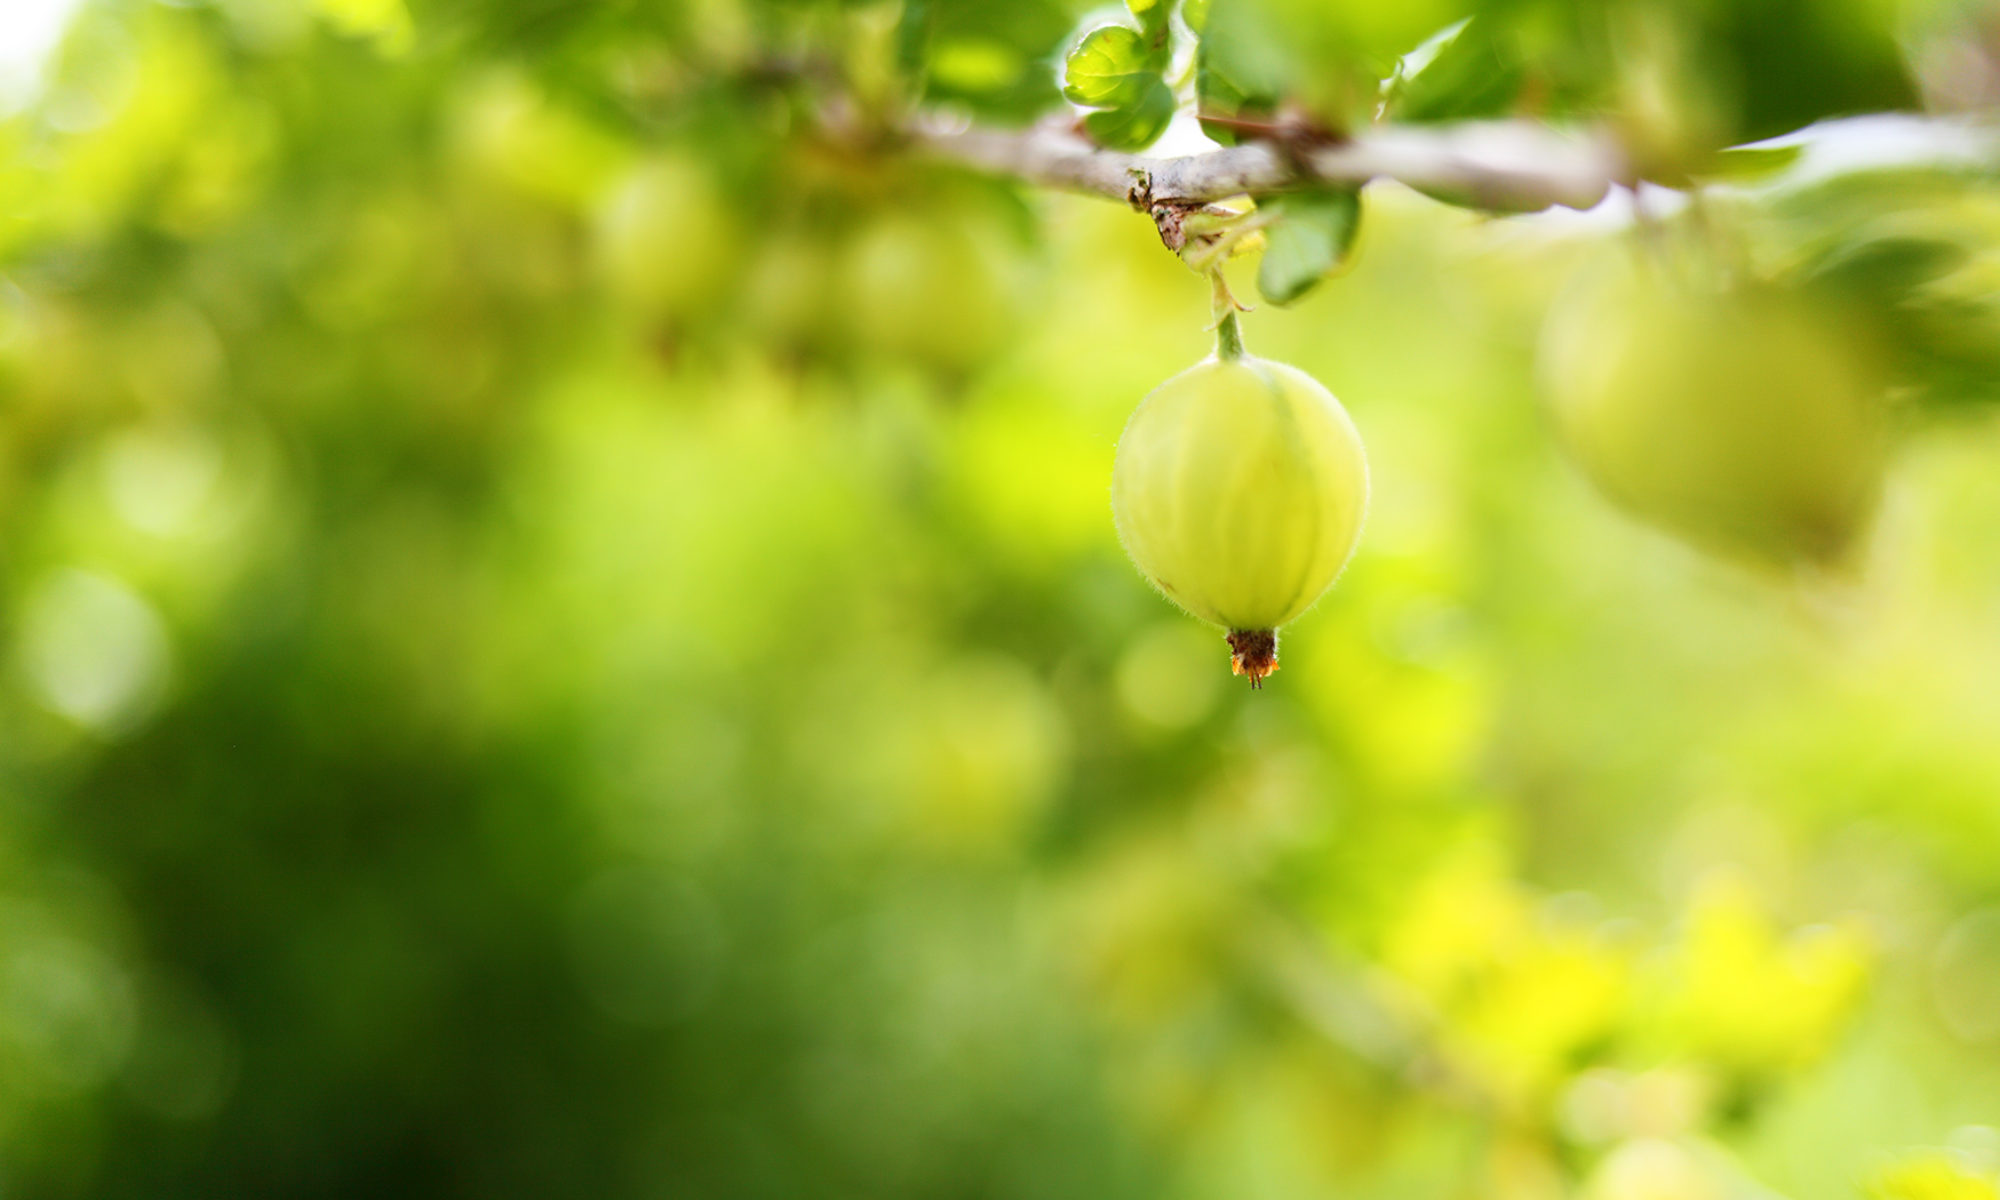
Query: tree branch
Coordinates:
[1502,165]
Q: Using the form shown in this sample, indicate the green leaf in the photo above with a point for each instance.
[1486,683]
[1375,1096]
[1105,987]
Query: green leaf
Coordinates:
[1216,96]
[1237,76]
[1195,13]
[974,39]
[1134,126]
[1152,14]
[1743,164]
[975,66]
[1415,62]
[1794,62]
[1886,269]
[1112,67]
[1462,72]
[1311,239]
[1940,340]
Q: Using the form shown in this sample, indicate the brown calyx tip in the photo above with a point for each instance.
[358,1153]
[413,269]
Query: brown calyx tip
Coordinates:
[1253,652]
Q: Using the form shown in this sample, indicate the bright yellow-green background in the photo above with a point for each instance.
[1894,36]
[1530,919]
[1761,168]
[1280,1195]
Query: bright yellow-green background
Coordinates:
[504,698]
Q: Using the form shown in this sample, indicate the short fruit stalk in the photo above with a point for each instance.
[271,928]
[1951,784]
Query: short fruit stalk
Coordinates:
[1239,490]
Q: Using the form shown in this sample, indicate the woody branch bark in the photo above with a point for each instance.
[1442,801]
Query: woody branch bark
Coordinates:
[1504,165]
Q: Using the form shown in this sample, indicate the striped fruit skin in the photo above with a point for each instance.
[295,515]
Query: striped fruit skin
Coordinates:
[1239,490]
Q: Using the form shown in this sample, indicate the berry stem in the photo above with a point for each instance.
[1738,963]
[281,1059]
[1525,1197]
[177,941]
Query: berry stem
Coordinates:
[1228,331]
[1229,339]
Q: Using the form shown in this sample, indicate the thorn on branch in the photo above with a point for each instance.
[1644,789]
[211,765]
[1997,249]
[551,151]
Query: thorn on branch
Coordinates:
[1294,134]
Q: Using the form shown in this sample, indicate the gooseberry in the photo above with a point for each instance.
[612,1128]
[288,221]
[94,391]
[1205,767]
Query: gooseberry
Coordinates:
[938,286]
[1741,418]
[1239,489]
[665,238]
[787,291]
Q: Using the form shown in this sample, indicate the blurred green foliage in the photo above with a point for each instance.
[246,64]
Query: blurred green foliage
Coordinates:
[563,636]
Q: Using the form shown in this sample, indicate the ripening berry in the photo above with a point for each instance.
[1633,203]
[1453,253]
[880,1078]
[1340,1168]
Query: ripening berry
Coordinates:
[665,238]
[1239,490]
[1740,418]
[786,291]
[942,287]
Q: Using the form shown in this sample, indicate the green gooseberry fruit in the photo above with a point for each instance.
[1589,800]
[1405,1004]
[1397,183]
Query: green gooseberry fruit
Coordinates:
[1239,490]
[1742,419]
[665,240]
[940,287]
[787,291]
